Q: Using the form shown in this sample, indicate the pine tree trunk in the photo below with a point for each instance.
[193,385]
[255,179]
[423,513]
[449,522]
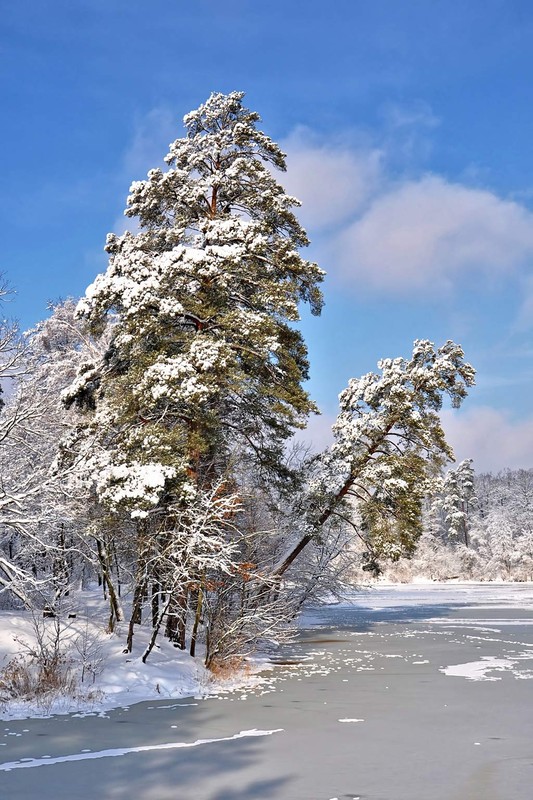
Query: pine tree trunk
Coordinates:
[175,629]
[138,596]
[136,614]
[328,511]
[156,592]
[197,618]
[117,567]
[155,631]
[115,609]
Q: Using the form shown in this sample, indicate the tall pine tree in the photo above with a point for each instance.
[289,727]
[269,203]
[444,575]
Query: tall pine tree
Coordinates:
[205,364]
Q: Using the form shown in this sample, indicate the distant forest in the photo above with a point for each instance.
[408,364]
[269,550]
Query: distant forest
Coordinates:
[477,527]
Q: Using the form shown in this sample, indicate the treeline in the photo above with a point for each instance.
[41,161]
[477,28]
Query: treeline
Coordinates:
[475,527]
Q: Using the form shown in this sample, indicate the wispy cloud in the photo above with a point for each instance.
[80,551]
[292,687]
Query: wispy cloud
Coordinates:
[429,234]
[491,437]
[332,180]
[148,146]
[394,231]
[146,150]
[417,114]
[524,320]
[408,132]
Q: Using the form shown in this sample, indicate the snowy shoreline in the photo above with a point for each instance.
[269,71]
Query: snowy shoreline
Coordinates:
[170,674]
[121,679]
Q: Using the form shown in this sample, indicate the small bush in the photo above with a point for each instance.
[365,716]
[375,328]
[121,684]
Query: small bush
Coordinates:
[225,668]
[90,654]
[45,670]
[15,680]
[24,678]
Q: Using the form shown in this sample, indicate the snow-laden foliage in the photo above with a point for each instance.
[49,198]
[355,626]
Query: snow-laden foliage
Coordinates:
[41,553]
[456,499]
[201,297]
[161,415]
[388,446]
[475,527]
[501,525]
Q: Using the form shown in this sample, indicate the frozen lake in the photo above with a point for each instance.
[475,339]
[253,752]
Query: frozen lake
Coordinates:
[411,693]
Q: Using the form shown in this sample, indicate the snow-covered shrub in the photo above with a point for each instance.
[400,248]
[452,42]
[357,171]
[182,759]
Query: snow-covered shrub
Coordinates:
[43,669]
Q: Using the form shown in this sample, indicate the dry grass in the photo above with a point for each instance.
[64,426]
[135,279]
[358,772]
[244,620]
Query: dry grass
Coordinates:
[26,679]
[45,669]
[227,668]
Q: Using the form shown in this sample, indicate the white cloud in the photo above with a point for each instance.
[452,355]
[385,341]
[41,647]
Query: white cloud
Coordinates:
[318,434]
[426,233]
[333,181]
[492,438]
[149,144]
[398,235]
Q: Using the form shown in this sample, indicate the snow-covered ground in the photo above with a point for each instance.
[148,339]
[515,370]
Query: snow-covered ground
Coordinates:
[113,678]
[120,679]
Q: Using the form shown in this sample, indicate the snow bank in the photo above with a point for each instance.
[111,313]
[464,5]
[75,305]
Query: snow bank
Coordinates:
[121,679]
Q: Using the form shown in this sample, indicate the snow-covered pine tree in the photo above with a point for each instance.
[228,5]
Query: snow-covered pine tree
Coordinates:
[204,365]
[457,500]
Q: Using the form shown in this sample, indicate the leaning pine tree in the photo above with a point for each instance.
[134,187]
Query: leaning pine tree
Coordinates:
[204,363]
[388,447]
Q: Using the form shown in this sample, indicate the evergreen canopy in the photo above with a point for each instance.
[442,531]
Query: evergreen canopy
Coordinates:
[202,299]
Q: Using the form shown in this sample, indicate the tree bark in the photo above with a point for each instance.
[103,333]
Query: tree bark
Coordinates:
[343,491]
[115,609]
[136,614]
[197,618]
[175,629]
[155,631]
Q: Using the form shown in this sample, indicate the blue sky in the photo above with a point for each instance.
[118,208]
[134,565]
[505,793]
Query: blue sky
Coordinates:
[408,128]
